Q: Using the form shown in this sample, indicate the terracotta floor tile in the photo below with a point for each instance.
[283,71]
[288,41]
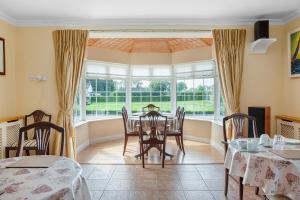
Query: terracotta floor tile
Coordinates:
[96,184]
[143,195]
[190,175]
[115,195]
[120,185]
[169,185]
[194,185]
[111,153]
[171,195]
[197,195]
[96,195]
[214,184]
[146,185]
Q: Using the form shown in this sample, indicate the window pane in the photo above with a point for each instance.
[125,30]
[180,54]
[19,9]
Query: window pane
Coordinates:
[76,108]
[196,96]
[105,97]
[156,92]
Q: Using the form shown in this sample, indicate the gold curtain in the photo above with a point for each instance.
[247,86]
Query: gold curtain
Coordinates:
[229,48]
[69,48]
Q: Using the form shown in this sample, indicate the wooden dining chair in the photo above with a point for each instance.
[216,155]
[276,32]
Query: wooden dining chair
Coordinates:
[152,134]
[239,122]
[128,132]
[42,131]
[177,112]
[29,143]
[177,132]
[150,107]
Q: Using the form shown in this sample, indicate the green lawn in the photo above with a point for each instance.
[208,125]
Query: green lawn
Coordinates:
[190,106]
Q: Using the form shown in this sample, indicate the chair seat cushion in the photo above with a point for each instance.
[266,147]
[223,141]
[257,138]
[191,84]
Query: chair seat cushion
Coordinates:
[173,132]
[27,143]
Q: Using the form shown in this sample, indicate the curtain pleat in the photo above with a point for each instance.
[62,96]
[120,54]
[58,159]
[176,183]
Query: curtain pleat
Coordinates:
[70,46]
[229,49]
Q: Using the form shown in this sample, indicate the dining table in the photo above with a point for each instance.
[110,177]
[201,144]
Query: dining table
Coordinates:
[265,168]
[134,121]
[133,124]
[62,179]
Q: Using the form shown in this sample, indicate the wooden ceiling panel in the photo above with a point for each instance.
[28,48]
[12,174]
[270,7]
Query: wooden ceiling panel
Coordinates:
[149,45]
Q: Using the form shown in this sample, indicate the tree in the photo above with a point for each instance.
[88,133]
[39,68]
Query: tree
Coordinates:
[106,85]
[157,86]
[181,86]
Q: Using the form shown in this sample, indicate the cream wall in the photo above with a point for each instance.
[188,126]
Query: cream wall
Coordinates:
[265,80]
[291,86]
[262,76]
[8,96]
[35,56]
[105,128]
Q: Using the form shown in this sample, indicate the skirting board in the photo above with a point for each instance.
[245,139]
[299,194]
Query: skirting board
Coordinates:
[83,146]
[107,138]
[197,139]
[121,136]
[217,146]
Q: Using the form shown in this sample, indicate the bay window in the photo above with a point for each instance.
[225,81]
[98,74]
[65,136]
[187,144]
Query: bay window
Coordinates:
[107,87]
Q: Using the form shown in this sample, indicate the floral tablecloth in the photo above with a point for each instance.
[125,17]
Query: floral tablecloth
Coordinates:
[264,169]
[62,181]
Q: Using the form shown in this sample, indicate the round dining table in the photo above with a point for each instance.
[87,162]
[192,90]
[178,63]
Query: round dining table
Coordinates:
[266,168]
[134,121]
[133,124]
[60,180]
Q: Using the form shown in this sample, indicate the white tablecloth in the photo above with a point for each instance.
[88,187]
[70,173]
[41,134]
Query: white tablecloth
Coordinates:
[264,169]
[62,181]
[134,121]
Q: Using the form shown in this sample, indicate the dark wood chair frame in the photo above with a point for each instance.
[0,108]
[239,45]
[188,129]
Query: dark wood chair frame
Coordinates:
[238,121]
[151,107]
[37,115]
[153,141]
[42,132]
[126,132]
[178,134]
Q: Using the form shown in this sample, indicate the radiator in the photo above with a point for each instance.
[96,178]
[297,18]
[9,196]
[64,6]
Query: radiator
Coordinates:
[289,129]
[9,132]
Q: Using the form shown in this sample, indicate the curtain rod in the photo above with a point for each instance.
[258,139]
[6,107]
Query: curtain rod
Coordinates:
[150,30]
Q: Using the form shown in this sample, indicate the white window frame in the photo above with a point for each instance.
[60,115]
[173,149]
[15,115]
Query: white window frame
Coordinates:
[128,82]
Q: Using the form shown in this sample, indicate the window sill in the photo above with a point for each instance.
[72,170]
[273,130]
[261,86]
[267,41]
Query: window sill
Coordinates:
[78,124]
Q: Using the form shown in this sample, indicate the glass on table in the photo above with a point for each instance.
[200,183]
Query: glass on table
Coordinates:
[278,141]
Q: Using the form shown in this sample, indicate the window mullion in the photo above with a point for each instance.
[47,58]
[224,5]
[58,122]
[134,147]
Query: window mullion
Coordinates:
[83,93]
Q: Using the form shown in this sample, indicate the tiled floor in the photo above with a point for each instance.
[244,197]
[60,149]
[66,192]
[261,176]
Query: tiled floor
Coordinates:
[111,153]
[174,182]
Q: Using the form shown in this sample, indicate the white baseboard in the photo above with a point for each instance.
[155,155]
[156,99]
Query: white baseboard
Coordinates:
[218,146]
[83,146]
[197,139]
[120,136]
[107,138]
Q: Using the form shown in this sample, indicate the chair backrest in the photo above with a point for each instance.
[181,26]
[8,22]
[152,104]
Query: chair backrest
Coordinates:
[36,116]
[180,119]
[239,121]
[177,112]
[42,131]
[155,124]
[151,107]
[125,119]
